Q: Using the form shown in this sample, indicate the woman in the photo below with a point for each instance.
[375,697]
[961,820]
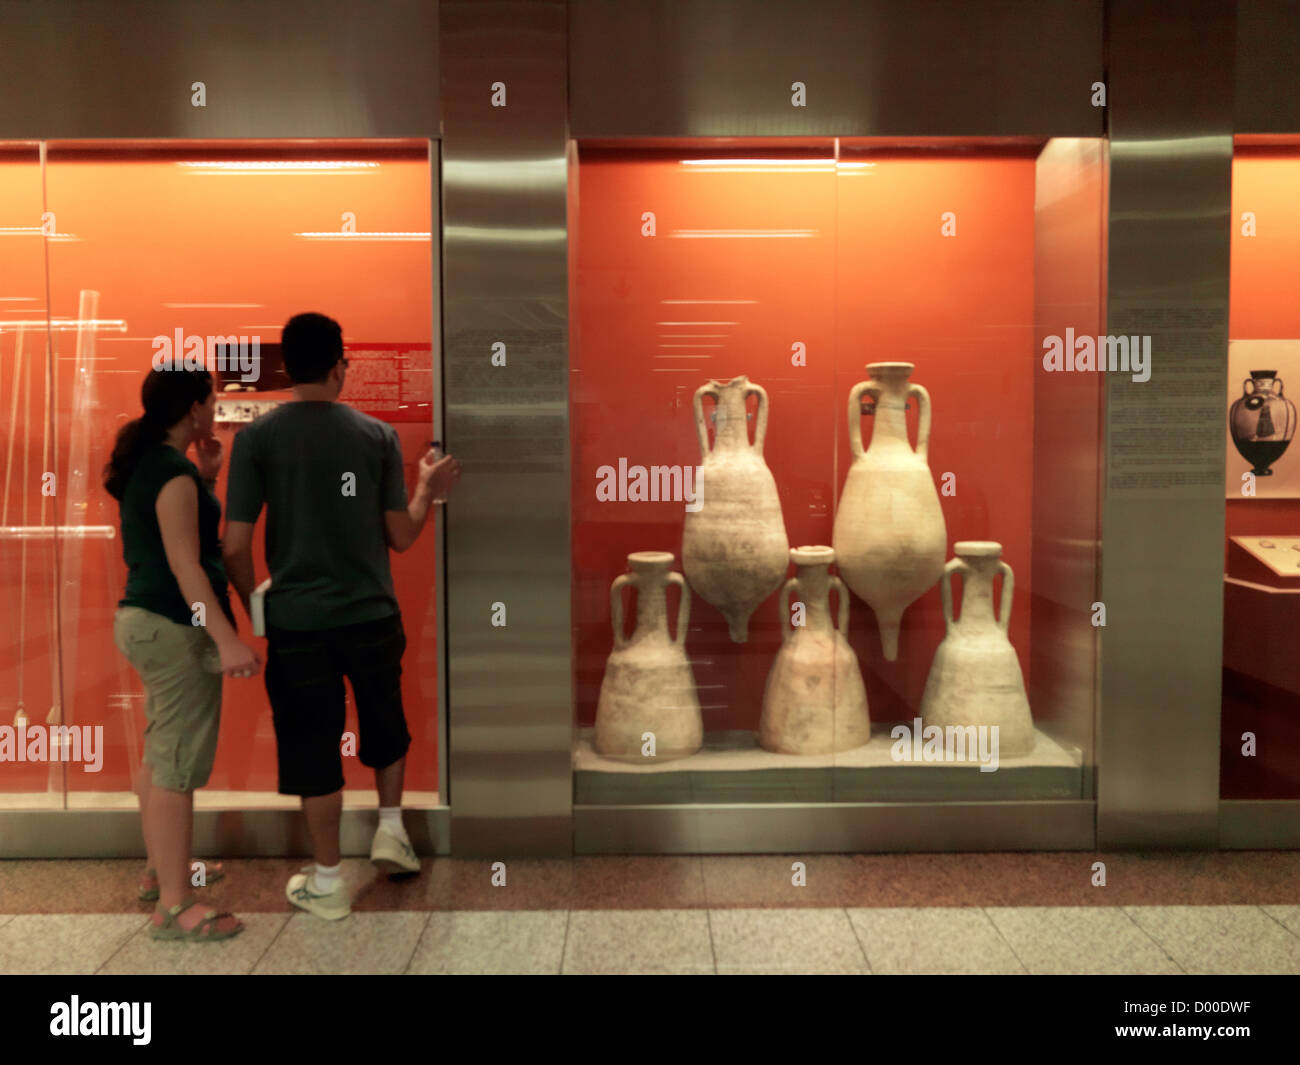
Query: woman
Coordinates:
[175,626]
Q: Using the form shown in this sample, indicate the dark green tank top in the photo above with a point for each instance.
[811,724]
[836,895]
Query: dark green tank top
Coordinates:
[150,583]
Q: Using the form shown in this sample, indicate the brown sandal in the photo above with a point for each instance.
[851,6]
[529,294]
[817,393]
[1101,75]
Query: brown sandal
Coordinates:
[203,932]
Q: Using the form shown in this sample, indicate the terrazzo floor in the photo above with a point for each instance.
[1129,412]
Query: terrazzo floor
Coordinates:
[1196,913]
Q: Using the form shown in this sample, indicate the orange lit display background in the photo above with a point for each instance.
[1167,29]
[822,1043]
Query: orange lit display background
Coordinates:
[169,243]
[1264,306]
[849,261]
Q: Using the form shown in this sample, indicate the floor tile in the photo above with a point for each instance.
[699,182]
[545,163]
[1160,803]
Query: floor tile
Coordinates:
[530,884]
[616,882]
[143,954]
[937,940]
[485,942]
[63,943]
[1055,940]
[1200,878]
[1221,939]
[1255,877]
[62,886]
[1285,915]
[469,884]
[361,943]
[638,941]
[785,942]
[772,881]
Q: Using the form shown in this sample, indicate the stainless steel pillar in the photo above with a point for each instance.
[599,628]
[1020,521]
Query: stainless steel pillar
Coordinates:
[506,369]
[1170,112]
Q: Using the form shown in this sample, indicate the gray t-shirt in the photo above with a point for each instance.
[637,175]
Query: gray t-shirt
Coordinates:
[325,539]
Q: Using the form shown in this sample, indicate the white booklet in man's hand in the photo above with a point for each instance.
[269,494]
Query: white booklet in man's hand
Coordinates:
[257,607]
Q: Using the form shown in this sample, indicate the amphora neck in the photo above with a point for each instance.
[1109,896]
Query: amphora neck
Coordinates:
[730,419]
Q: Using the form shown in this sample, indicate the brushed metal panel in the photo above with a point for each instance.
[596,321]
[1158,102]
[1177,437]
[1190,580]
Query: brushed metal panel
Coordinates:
[1253,825]
[834,828]
[1268,66]
[332,68]
[439,433]
[222,833]
[1069,293]
[505,281]
[1162,541]
[871,67]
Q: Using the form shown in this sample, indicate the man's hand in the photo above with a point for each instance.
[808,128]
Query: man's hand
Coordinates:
[436,476]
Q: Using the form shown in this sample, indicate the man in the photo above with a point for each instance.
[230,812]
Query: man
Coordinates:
[332,482]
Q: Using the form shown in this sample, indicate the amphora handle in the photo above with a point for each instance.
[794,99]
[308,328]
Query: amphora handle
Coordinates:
[843,611]
[683,608]
[1008,582]
[760,427]
[955,565]
[923,420]
[855,413]
[616,607]
[701,427]
[789,586]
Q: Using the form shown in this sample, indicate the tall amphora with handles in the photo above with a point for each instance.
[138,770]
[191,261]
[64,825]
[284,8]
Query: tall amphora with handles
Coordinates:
[734,545]
[648,685]
[889,537]
[975,678]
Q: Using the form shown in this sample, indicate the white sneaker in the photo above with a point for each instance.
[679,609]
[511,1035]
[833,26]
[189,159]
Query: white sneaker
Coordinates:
[393,854]
[333,906]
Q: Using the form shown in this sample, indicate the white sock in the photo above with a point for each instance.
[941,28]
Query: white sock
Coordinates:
[390,819]
[326,878]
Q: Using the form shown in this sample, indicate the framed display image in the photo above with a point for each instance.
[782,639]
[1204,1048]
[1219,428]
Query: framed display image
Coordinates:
[1262,420]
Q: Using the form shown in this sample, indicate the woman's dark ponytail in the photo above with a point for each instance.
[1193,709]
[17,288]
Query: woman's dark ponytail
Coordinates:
[167,397]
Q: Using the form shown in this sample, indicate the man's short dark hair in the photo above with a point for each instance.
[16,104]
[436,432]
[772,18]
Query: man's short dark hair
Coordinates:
[311,344]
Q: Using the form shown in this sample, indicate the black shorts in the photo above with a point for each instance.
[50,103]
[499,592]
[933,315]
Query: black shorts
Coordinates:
[304,679]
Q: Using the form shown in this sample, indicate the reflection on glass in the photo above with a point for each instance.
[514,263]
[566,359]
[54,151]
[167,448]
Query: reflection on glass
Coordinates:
[28,513]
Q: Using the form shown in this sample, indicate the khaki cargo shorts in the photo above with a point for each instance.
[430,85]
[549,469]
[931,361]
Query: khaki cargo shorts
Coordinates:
[182,694]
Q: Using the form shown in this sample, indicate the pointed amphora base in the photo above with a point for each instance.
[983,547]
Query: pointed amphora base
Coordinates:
[738,625]
[889,626]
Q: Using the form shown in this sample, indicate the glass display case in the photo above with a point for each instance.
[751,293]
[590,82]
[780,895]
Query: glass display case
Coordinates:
[835,498]
[117,253]
[1260,755]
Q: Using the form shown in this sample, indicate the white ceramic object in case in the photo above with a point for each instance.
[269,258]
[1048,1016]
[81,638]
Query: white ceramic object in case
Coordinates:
[975,678]
[889,538]
[734,547]
[815,701]
[648,684]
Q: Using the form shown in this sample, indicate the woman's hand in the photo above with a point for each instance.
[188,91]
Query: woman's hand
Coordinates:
[207,457]
[239,660]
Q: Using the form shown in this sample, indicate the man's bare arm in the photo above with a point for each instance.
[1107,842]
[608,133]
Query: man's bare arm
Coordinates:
[237,551]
